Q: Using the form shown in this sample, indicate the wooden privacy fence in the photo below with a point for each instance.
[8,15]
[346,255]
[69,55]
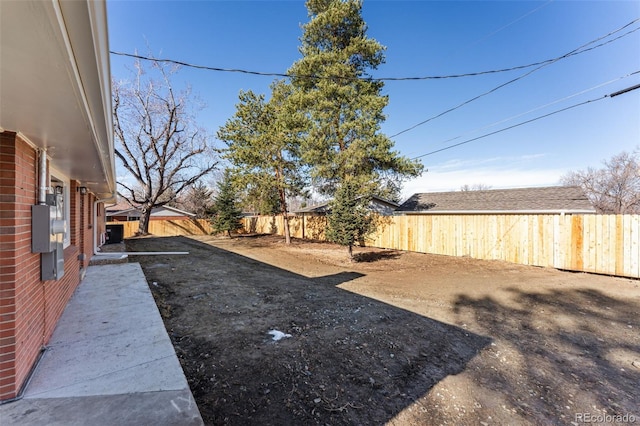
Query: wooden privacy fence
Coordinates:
[168,228]
[605,244]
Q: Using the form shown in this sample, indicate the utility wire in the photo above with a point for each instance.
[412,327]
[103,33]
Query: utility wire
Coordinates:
[512,22]
[540,66]
[489,35]
[203,67]
[432,77]
[623,91]
[511,127]
[577,51]
[582,92]
[611,95]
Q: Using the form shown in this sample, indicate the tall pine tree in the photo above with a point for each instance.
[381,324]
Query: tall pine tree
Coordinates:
[344,105]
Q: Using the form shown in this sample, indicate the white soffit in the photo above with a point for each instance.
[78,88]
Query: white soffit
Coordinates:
[55,85]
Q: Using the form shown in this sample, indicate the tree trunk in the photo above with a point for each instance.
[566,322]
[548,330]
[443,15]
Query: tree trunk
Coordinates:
[285,216]
[143,225]
[350,252]
[287,233]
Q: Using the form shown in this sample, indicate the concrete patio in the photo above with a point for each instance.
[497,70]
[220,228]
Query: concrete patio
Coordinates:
[109,361]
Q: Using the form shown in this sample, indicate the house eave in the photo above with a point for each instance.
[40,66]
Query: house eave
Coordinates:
[56,88]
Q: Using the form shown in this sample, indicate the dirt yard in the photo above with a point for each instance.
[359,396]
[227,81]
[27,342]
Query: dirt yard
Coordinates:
[398,338]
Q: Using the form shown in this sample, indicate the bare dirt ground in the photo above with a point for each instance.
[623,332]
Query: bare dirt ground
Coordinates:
[398,338]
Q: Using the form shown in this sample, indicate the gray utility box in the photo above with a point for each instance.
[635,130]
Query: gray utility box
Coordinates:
[47,236]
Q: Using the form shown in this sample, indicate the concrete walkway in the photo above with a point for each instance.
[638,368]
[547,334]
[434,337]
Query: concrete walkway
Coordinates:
[109,361]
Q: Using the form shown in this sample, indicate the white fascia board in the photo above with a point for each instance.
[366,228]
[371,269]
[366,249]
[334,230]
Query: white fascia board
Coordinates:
[100,30]
[97,17]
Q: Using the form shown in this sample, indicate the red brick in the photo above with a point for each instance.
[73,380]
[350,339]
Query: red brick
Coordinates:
[27,325]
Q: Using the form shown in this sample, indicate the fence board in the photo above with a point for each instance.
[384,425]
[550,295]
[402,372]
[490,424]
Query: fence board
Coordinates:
[168,228]
[619,250]
[606,244]
[634,262]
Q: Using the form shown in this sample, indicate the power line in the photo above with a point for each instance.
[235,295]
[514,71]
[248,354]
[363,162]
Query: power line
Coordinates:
[531,120]
[578,51]
[202,67]
[541,65]
[628,89]
[582,92]
[511,127]
[489,35]
[513,22]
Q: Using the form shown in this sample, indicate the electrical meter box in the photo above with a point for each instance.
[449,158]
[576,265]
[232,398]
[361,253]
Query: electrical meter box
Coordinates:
[47,236]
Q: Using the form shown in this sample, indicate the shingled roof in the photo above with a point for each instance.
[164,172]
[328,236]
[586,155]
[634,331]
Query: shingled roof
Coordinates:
[554,199]
[377,204]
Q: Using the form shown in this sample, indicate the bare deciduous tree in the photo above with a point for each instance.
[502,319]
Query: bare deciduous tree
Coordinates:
[159,142]
[615,188]
[197,199]
[475,187]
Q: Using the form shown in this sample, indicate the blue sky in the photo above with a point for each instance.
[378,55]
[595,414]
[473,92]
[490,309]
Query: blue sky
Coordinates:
[425,38]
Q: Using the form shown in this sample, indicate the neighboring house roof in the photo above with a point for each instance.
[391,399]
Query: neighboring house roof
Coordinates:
[157,211]
[555,199]
[121,205]
[377,204]
[56,86]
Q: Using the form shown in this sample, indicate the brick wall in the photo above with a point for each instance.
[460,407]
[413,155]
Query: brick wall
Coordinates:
[18,267]
[29,307]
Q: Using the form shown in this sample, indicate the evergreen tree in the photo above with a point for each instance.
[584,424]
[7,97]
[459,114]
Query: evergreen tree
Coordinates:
[261,199]
[350,220]
[227,214]
[344,105]
[263,141]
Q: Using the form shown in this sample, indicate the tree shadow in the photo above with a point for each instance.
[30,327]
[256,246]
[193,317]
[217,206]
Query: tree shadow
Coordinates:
[200,226]
[374,256]
[186,230]
[564,349]
[336,279]
[350,359]
[253,223]
[249,236]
